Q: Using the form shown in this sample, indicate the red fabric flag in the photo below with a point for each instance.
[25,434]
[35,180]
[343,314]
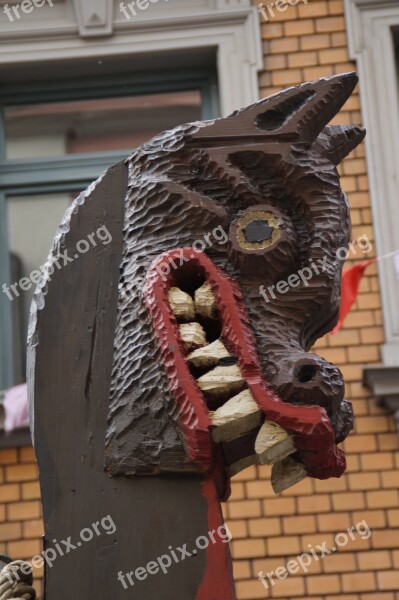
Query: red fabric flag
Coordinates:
[351,279]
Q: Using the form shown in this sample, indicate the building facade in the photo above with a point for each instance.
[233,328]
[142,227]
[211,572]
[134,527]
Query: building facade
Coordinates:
[66,66]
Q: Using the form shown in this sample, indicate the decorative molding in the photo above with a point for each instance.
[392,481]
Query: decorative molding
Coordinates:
[94,17]
[370,24]
[232,29]
[15,439]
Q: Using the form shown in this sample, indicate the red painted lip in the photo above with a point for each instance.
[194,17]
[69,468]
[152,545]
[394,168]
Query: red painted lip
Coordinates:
[309,425]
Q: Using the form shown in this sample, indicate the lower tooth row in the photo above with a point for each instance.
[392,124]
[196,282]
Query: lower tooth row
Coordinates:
[241,414]
[273,445]
[287,473]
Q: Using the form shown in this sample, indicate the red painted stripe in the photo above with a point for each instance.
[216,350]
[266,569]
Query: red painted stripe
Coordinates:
[218,583]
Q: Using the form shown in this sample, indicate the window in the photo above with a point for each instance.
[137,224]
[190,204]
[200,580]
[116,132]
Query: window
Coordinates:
[373,34]
[395,33]
[58,136]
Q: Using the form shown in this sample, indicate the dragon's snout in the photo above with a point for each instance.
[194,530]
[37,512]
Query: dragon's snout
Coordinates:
[309,379]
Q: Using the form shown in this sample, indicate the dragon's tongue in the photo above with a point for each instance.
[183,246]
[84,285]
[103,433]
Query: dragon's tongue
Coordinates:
[199,319]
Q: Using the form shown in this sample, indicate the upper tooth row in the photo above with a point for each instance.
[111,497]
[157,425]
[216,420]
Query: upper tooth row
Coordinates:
[240,414]
[181,303]
[183,306]
[205,302]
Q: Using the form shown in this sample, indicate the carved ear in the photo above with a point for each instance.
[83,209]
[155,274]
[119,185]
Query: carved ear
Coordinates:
[337,141]
[308,108]
[297,114]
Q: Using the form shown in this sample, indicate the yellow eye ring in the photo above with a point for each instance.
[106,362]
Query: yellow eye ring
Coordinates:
[258,230]
[263,242]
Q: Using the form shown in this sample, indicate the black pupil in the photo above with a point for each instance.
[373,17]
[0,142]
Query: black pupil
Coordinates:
[258,231]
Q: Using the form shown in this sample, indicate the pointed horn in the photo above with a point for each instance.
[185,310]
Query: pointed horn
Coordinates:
[331,94]
[297,114]
[337,141]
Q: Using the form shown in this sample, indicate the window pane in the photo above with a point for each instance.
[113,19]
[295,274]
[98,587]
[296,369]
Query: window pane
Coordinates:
[32,224]
[121,123]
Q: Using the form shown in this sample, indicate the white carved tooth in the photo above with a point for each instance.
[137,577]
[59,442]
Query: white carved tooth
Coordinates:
[192,335]
[181,304]
[273,443]
[208,356]
[205,302]
[241,464]
[287,473]
[221,380]
[237,416]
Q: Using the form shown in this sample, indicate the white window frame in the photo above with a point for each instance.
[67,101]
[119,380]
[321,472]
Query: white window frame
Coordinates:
[369,25]
[86,29]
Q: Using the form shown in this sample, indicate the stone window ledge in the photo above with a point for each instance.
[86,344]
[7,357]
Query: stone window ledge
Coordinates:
[383,382]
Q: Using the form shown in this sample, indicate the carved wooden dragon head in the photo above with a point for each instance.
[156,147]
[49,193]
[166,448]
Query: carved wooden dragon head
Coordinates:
[214,324]
[182,347]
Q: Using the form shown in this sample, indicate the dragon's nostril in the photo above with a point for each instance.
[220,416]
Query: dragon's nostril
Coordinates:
[306,373]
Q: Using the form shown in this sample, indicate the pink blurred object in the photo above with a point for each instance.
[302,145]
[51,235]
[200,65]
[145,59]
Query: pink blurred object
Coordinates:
[396,263]
[16,407]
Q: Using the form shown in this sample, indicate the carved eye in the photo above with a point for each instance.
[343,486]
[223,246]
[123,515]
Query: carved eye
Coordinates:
[257,230]
[263,242]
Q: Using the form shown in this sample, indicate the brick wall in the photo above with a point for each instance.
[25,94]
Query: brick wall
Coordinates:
[305,42]
[302,43]
[21,526]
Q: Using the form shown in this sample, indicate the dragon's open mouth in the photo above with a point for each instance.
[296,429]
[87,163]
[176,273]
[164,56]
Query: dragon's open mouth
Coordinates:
[214,373]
